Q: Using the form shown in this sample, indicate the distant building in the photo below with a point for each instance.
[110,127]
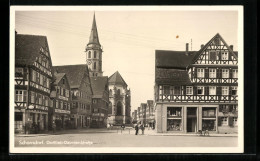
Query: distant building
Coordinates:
[150,112]
[134,116]
[197,90]
[81,90]
[33,77]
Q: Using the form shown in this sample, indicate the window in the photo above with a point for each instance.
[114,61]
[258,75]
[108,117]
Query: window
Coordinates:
[48,83]
[65,106]
[212,73]
[208,112]
[41,79]
[68,106]
[224,90]
[18,72]
[61,105]
[234,73]
[217,41]
[67,93]
[174,111]
[61,91]
[95,65]
[37,77]
[95,54]
[234,91]
[225,73]
[200,91]
[200,73]
[63,81]
[177,90]
[224,121]
[224,56]
[212,90]
[89,54]
[32,95]
[234,121]
[94,101]
[46,101]
[33,75]
[20,96]
[166,90]
[57,104]
[40,98]
[189,90]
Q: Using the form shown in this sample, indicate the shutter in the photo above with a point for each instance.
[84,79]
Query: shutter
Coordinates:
[195,72]
[220,73]
[218,92]
[195,90]
[24,96]
[206,73]
[217,73]
[230,90]
[230,121]
[206,90]
[230,108]
[219,121]
[230,73]
[184,90]
[229,56]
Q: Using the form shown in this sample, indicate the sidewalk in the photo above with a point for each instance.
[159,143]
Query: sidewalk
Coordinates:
[154,133]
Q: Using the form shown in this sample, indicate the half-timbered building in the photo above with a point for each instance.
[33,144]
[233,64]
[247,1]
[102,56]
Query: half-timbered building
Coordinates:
[33,76]
[197,90]
[61,97]
[81,91]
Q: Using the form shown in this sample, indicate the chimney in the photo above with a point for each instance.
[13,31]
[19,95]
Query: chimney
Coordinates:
[231,47]
[187,49]
[201,46]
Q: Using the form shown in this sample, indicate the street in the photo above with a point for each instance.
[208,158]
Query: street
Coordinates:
[114,138]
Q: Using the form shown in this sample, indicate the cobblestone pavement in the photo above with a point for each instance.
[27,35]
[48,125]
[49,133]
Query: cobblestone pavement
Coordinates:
[114,138]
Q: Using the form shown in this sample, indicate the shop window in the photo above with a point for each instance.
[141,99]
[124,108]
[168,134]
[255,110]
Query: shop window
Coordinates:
[174,125]
[209,125]
[208,112]
[200,90]
[174,111]
[200,73]
[189,90]
[224,120]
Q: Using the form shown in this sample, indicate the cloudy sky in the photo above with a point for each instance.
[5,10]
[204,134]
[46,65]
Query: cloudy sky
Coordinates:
[129,38]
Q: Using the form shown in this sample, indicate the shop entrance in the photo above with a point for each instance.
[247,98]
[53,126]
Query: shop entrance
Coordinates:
[191,119]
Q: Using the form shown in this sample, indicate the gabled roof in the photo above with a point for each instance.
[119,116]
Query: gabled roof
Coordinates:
[93,39]
[58,77]
[27,48]
[173,59]
[99,85]
[209,42]
[74,73]
[116,78]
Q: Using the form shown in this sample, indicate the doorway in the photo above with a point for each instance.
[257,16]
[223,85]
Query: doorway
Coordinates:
[191,119]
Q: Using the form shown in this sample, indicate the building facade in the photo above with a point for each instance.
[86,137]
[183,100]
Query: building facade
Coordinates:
[197,90]
[134,117]
[99,101]
[119,100]
[150,112]
[81,91]
[62,102]
[33,76]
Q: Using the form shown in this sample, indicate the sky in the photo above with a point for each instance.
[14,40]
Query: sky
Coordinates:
[129,38]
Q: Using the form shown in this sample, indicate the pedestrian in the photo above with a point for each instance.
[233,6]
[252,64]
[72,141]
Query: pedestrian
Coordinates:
[53,126]
[142,128]
[136,129]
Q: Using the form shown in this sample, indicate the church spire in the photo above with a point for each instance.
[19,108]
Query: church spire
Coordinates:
[93,39]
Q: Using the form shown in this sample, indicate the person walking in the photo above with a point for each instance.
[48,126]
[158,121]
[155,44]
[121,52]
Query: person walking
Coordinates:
[136,129]
[142,128]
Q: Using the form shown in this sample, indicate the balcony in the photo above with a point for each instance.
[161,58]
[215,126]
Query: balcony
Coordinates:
[197,98]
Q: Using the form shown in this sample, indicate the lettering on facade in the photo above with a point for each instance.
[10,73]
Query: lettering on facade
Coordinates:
[62,111]
[63,98]
[172,74]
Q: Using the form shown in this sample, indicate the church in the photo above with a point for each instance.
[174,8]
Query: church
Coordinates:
[111,96]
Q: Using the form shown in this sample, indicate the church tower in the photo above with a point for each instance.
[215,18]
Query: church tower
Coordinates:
[94,52]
